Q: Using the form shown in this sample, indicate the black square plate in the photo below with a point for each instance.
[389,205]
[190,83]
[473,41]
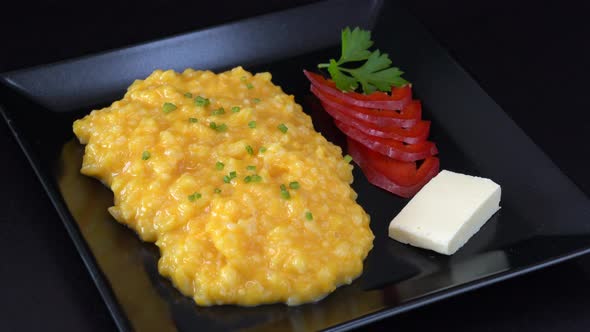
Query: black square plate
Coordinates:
[544,216]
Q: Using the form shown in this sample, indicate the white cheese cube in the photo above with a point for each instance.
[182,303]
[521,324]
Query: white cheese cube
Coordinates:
[446,212]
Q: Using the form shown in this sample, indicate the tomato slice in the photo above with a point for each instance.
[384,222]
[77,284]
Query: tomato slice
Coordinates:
[389,147]
[407,117]
[399,97]
[398,177]
[412,135]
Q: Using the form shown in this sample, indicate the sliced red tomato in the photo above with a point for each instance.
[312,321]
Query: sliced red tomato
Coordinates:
[412,135]
[407,117]
[398,177]
[390,147]
[399,97]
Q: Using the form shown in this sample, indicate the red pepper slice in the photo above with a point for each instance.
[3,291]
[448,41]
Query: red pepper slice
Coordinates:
[412,135]
[398,177]
[389,147]
[396,101]
[407,117]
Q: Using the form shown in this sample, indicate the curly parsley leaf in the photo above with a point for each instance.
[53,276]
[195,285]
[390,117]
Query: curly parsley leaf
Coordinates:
[374,74]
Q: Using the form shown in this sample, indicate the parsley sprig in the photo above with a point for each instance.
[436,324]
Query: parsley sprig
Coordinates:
[374,74]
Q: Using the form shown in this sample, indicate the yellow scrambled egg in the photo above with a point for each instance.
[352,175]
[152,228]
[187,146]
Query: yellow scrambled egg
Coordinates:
[247,203]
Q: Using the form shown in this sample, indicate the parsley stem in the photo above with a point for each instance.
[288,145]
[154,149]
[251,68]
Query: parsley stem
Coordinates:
[323,65]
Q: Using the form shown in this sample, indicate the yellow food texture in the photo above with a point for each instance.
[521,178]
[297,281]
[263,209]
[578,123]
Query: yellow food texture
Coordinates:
[212,183]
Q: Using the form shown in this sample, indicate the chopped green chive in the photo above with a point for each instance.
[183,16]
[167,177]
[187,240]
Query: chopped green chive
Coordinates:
[200,101]
[218,111]
[308,215]
[145,155]
[253,178]
[235,109]
[218,127]
[348,158]
[252,124]
[294,185]
[249,86]
[243,78]
[251,167]
[283,128]
[188,95]
[256,100]
[193,120]
[217,191]
[284,192]
[262,149]
[194,196]
[249,149]
[219,165]
[168,107]
[230,176]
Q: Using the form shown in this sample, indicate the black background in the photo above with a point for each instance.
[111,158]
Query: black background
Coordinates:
[532,58]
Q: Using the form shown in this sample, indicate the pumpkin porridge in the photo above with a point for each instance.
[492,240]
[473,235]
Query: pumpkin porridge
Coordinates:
[247,203]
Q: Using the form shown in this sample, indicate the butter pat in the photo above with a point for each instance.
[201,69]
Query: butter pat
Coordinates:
[446,212]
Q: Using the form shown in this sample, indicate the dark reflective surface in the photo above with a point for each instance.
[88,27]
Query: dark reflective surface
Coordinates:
[543,217]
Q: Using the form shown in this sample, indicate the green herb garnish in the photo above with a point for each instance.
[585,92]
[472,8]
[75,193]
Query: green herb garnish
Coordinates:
[262,149]
[235,109]
[249,85]
[200,101]
[294,185]
[145,155]
[374,74]
[193,120]
[308,215]
[252,124]
[251,167]
[284,192]
[217,191]
[168,107]
[232,175]
[188,95]
[219,165]
[253,178]
[348,158]
[283,128]
[194,196]
[218,111]
[249,150]
[218,127]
